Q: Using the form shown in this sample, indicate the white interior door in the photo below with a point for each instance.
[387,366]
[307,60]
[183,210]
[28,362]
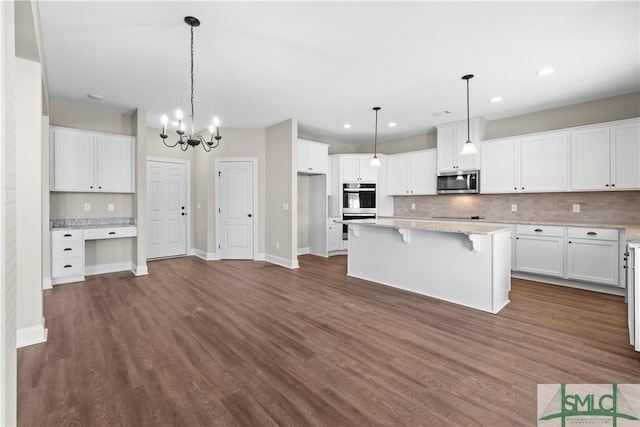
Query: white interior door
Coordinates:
[166,209]
[236,214]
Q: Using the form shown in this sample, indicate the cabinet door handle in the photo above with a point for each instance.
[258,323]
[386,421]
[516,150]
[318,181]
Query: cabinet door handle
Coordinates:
[68,266]
[91,186]
[523,188]
[606,185]
[112,232]
[517,238]
[570,241]
[592,233]
[613,185]
[67,235]
[183,214]
[515,188]
[67,249]
[249,215]
[538,230]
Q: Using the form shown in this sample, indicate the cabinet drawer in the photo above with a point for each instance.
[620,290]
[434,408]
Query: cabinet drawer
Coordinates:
[70,249]
[110,233]
[539,230]
[592,233]
[64,235]
[67,267]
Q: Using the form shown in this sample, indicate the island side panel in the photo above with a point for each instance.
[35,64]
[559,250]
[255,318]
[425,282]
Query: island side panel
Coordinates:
[437,264]
[501,269]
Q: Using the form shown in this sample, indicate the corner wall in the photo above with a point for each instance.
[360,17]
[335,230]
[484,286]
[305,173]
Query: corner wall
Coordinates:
[282,204]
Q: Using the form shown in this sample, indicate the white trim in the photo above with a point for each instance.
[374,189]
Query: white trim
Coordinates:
[139,270]
[283,262]
[187,195]
[207,256]
[46,283]
[31,335]
[67,279]
[260,257]
[304,251]
[113,267]
[547,280]
[256,217]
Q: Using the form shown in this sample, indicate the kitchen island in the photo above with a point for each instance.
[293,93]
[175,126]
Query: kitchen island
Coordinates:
[463,263]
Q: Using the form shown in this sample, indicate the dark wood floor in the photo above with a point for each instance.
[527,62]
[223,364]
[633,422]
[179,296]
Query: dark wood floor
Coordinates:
[252,344]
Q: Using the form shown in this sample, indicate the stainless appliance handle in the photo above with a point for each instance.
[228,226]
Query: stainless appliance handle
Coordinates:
[358,190]
[368,215]
[468,181]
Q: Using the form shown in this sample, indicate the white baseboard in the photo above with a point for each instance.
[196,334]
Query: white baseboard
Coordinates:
[139,270]
[31,335]
[113,267]
[46,283]
[68,279]
[260,257]
[283,262]
[207,256]
[303,251]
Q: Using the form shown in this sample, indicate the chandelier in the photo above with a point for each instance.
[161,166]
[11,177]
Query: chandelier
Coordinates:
[192,140]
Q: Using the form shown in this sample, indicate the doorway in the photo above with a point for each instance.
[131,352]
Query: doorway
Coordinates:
[168,207]
[236,206]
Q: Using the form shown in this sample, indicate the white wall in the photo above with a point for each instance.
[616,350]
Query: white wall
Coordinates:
[30,322]
[8,376]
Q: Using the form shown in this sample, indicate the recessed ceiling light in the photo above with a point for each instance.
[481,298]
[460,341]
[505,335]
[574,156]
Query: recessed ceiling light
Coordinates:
[496,99]
[347,126]
[545,71]
[392,124]
[95,97]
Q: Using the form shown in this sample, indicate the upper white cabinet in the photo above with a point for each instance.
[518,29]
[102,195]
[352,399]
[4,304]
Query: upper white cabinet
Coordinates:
[451,138]
[536,163]
[83,161]
[313,157]
[606,157]
[355,168]
[412,173]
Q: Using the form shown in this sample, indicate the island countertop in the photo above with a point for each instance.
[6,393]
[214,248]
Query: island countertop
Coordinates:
[429,225]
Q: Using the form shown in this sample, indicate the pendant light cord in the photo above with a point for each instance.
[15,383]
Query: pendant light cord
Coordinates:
[375,140]
[468,120]
[193,117]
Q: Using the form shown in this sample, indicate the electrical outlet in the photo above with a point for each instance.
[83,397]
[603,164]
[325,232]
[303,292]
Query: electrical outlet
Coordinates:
[576,207]
[110,207]
[277,245]
[514,208]
[198,206]
[285,206]
[413,206]
[87,207]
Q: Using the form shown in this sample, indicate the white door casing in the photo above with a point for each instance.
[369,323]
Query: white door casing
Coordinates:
[236,207]
[167,207]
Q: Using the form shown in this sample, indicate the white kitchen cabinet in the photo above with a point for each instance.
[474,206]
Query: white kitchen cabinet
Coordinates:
[540,250]
[593,255]
[84,161]
[355,168]
[67,255]
[606,157]
[412,173]
[312,157]
[537,163]
[334,235]
[500,166]
[544,162]
[451,138]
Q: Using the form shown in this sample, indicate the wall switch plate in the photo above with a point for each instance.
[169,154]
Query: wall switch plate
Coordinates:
[413,206]
[285,206]
[514,208]
[87,207]
[576,207]
[110,207]
[277,245]
[198,206]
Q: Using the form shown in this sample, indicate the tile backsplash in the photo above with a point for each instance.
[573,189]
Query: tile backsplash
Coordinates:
[614,207]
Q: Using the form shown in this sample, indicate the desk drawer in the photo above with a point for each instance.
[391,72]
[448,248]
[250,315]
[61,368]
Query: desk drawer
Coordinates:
[63,250]
[67,267]
[65,235]
[110,233]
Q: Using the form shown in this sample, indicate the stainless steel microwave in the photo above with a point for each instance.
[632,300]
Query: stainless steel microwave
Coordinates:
[461,182]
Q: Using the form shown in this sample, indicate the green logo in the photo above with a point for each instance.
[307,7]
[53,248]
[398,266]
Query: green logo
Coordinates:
[588,404]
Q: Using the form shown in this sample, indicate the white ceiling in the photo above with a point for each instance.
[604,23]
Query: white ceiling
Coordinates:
[328,63]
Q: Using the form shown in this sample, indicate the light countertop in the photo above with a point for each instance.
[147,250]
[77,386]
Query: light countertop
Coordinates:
[431,225]
[90,223]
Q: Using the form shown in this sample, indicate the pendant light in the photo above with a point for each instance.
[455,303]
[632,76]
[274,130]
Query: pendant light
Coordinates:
[375,162]
[192,140]
[468,147]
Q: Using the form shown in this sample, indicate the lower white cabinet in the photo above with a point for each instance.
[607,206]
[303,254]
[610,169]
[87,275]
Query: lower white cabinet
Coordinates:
[593,255]
[67,253]
[540,250]
[334,235]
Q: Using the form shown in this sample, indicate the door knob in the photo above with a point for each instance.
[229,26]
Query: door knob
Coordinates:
[249,215]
